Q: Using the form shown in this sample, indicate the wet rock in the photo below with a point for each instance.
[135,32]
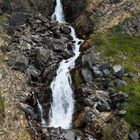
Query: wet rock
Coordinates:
[134,135]
[118,71]
[65,29]
[18,62]
[86,74]
[42,56]
[67,54]
[69,135]
[32,71]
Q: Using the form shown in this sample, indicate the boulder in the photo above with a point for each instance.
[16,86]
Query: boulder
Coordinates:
[42,56]
[65,29]
[118,71]
[18,62]
[88,60]
[120,83]
[134,136]
[69,135]
[32,71]
[103,105]
[86,74]
[118,100]
[96,71]
[106,73]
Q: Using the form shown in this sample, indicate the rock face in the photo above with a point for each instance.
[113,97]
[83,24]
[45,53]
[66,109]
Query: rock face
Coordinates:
[132,26]
[18,62]
[45,7]
[89,16]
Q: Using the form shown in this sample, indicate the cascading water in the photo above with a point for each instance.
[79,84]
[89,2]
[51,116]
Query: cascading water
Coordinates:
[58,13]
[40,110]
[62,106]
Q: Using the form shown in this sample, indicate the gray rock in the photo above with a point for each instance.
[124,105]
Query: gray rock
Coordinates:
[118,71]
[43,19]
[118,100]
[120,83]
[86,74]
[89,102]
[55,44]
[32,71]
[18,62]
[40,29]
[96,71]
[134,135]
[36,38]
[106,72]
[88,60]
[65,29]
[103,105]
[42,56]
[69,135]
[105,83]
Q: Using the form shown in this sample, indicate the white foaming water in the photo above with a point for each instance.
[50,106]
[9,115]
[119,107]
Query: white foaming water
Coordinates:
[62,106]
[58,14]
[90,138]
[78,138]
[43,122]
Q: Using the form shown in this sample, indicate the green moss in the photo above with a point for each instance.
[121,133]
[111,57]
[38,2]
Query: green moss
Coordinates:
[3,20]
[76,78]
[133,106]
[120,48]
[109,134]
[26,4]
[2,106]
[125,50]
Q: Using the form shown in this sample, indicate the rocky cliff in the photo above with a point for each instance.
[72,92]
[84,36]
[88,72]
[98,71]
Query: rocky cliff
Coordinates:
[105,79]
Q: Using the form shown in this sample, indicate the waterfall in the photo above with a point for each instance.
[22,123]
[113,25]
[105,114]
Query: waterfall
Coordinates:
[58,14]
[62,106]
[40,110]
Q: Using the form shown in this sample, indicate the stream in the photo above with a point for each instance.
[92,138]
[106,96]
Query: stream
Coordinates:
[62,106]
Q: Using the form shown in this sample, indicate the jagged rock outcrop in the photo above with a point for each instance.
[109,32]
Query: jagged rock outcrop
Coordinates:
[98,15]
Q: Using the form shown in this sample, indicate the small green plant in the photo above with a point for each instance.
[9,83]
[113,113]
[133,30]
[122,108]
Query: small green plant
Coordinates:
[2,108]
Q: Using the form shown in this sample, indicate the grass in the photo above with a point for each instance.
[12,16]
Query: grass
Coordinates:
[2,108]
[125,50]
[3,20]
[120,48]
